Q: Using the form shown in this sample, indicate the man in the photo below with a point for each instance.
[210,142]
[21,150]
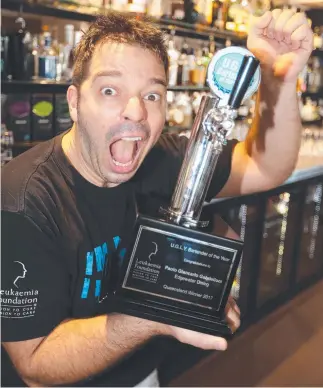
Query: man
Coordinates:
[68,205]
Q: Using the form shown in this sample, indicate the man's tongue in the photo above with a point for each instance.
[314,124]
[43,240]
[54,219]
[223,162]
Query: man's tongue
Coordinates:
[123,151]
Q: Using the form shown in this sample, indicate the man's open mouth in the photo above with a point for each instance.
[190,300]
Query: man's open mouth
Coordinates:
[125,151]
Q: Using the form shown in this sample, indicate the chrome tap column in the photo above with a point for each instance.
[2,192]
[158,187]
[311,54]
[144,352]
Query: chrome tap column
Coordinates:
[210,130]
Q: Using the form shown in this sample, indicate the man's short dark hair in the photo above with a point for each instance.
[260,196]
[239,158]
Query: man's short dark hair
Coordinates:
[121,28]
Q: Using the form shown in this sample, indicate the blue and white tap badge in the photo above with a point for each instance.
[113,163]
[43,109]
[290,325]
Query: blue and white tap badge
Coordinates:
[223,70]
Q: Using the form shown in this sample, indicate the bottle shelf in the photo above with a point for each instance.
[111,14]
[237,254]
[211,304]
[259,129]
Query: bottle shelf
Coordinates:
[313,95]
[44,10]
[182,29]
[314,123]
[33,87]
[199,31]
[39,86]
[317,53]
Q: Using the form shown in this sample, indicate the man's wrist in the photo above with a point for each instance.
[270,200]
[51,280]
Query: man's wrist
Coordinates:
[139,326]
[272,81]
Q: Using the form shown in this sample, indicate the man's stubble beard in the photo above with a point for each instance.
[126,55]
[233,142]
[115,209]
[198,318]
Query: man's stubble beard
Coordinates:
[88,146]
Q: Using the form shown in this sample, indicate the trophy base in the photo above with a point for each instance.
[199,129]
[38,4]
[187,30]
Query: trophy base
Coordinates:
[178,276]
[186,320]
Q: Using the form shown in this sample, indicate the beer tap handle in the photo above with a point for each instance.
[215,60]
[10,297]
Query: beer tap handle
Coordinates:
[246,72]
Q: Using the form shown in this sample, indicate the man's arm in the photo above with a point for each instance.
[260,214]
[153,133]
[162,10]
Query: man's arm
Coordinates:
[268,155]
[282,41]
[79,349]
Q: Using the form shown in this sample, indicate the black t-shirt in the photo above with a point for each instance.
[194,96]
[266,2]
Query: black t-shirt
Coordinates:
[58,234]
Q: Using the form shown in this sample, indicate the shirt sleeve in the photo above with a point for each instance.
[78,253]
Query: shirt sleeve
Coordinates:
[34,280]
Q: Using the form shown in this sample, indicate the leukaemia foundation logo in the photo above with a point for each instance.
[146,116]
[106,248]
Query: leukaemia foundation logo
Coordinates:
[154,252]
[18,300]
[21,276]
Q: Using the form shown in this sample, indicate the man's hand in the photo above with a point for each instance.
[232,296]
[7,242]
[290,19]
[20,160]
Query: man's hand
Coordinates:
[205,341]
[282,41]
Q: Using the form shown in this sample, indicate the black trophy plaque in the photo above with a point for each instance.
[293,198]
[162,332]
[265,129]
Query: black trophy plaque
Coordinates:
[174,272]
[179,276]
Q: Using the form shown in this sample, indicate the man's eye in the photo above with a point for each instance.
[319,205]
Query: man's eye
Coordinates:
[152,97]
[108,92]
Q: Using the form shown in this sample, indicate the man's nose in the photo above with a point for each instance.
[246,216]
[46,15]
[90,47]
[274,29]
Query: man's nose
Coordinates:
[135,110]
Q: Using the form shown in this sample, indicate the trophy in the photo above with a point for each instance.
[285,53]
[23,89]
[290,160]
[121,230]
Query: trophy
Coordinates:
[175,272]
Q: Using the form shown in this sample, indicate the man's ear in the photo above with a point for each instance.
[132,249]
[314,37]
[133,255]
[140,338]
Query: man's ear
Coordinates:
[72,99]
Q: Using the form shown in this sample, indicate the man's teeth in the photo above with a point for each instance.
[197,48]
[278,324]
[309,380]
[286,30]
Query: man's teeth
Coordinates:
[122,164]
[132,138]
[135,139]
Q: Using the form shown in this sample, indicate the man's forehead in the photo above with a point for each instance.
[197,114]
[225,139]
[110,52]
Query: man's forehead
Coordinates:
[117,55]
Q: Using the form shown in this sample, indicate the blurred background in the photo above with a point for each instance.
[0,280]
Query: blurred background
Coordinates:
[279,282]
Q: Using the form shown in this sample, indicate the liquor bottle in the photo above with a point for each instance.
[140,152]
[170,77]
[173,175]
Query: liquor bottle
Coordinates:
[181,111]
[183,73]
[206,55]
[206,58]
[199,72]
[191,64]
[35,53]
[136,6]
[20,52]
[4,56]
[155,8]
[188,111]
[204,7]
[77,37]
[320,108]
[29,58]
[309,111]
[317,39]
[173,54]
[47,59]
[223,15]
[176,114]
[6,145]
[212,47]
[315,77]
[167,11]
[58,50]
[68,47]
[191,14]
[216,7]
[117,5]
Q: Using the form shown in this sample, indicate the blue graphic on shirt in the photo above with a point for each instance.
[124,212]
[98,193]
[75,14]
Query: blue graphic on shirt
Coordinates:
[89,263]
[122,254]
[101,255]
[85,289]
[116,241]
[97,288]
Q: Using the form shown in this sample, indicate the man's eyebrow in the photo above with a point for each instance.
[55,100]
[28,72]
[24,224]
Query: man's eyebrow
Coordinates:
[158,81]
[117,73]
[107,73]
